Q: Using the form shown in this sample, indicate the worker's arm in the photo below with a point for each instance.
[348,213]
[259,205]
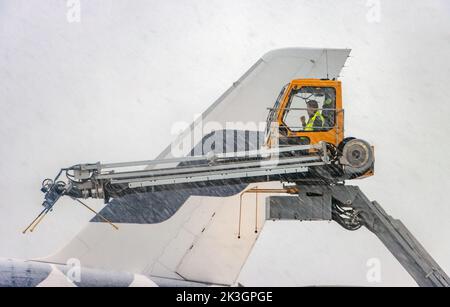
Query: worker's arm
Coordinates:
[303,121]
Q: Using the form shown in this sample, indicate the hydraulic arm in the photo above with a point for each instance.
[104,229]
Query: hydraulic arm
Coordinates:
[348,206]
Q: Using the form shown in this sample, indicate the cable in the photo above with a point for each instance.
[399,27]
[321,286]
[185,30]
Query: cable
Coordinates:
[347,217]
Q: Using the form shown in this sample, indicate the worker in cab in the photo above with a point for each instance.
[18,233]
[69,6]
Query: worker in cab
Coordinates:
[316,121]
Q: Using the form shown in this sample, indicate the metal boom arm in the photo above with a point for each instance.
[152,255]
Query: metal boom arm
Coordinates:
[401,243]
[348,206]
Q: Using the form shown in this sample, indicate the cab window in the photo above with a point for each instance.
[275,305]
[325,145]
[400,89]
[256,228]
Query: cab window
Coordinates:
[273,111]
[310,109]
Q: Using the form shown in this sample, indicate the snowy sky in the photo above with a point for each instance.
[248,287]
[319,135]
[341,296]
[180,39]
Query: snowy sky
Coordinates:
[110,86]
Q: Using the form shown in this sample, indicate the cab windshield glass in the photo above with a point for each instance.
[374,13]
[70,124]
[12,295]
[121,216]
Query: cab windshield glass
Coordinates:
[310,109]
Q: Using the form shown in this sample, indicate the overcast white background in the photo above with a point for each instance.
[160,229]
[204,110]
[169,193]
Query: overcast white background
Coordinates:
[111,86]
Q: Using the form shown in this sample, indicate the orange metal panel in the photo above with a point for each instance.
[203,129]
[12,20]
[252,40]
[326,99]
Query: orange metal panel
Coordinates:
[332,136]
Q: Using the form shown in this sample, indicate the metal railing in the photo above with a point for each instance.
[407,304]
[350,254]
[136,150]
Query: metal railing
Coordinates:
[296,129]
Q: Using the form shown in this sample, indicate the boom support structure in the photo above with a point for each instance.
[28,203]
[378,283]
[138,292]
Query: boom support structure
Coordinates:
[350,207]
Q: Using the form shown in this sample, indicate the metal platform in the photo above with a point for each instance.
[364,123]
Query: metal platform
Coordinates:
[238,165]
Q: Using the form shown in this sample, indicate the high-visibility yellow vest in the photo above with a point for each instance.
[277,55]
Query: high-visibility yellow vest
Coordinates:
[310,125]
